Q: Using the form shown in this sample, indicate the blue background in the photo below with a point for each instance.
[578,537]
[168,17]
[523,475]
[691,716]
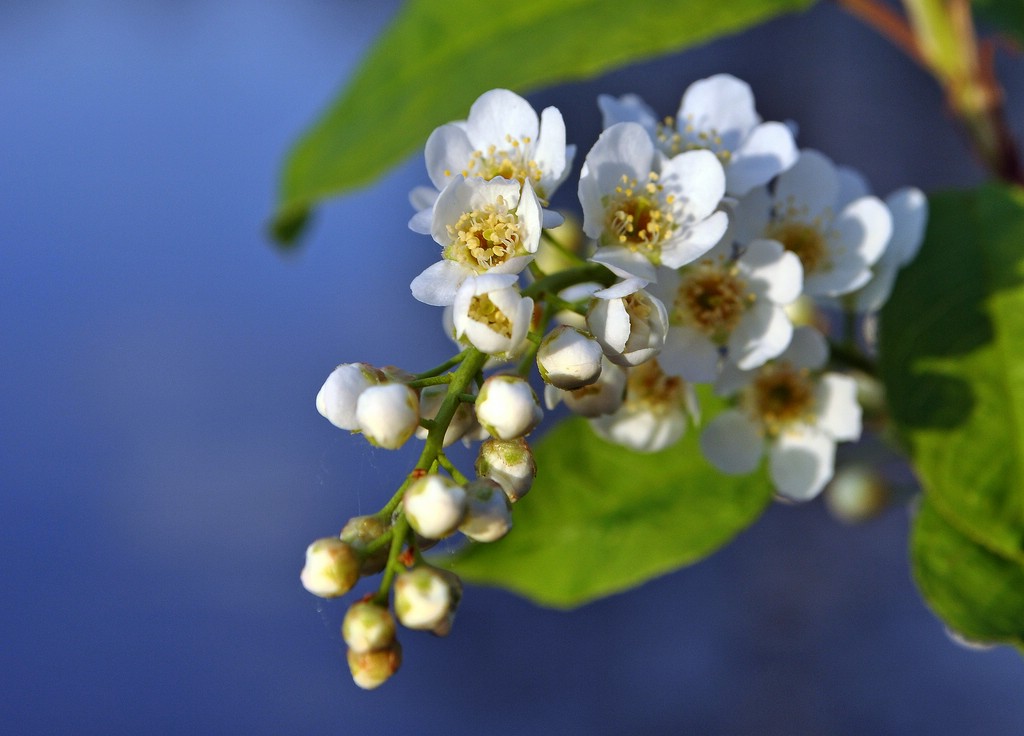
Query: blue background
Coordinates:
[162,466]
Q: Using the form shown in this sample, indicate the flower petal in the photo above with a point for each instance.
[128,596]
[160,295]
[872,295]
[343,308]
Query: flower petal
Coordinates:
[864,227]
[437,284]
[498,113]
[732,443]
[801,462]
[767,151]
[447,153]
[761,334]
[698,181]
[811,185]
[627,109]
[690,354]
[909,208]
[807,349]
[625,263]
[839,413]
[694,241]
[550,151]
[720,103]
[772,271]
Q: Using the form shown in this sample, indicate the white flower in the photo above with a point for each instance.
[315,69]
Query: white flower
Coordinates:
[388,414]
[336,400]
[909,208]
[510,464]
[630,329]
[731,309]
[569,358]
[434,506]
[837,241]
[646,210]
[488,517]
[484,227]
[491,314]
[507,407]
[716,114]
[793,410]
[331,569]
[423,598]
[654,413]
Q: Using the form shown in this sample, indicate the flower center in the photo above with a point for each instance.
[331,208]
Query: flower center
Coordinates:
[780,396]
[510,163]
[803,239]
[485,311]
[485,238]
[712,299]
[673,142]
[648,388]
[640,217]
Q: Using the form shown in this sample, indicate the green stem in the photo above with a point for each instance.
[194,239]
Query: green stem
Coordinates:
[454,472]
[429,381]
[399,531]
[450,363]
[562,249]
[570,277]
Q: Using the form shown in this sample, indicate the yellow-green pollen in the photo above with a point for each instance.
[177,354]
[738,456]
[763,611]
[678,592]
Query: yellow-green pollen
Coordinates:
[485,311]
[803,236]
[781,395]
[511,163]
[648,388]
[640,216]
[711,298]
[485,238]
[672,142]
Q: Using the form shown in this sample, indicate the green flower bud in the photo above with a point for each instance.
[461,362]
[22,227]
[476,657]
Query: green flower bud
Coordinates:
[510,464]
[372,669]
[423,598]
[368,627]
[360,531]
[488,517]
[331,569]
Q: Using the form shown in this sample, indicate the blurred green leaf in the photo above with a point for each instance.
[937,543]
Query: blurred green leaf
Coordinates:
[1007,15]
[601,519]
[952,349]
[979,593]
[438,56]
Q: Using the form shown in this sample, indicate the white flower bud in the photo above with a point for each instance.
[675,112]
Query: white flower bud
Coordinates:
[604,396]
[434,506]
[856,493]
[507,407]
[331,569]
[488,517]
[431,398]
[631,329]
[423,598]
[337,398]
[569,358]
[368,627]
[358,532]
[509,463]
[372,669]
[388,414]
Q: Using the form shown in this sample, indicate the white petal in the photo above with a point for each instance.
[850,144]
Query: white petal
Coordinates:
[552,219]
[852,185]
[732,443]
[690,354]
[722,103]
[550,151]
[731,379]
[622,150]
[621,288]
[499,113]
[626,109]
[608,321]
[810,184]
[749,219]
[625,263]
[847,273]
[909,208]
[864,228]
[839,413]
[876,292]
[801,463]
[529,215]
[772,271]
[807,349]
[447,150]
[695,241]
[422,221]
[761,334]
[767,151]
[423,198]
[697,179]
[439,282]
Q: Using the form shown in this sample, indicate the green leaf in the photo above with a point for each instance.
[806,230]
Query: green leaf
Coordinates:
[952,350]
[1007,15]
[980,594]
[438,56]
[601,518]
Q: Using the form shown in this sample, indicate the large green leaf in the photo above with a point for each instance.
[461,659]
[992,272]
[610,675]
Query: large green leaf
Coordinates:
[440,55]
[980,594]
[601,519]
[1007,15]
[952,347]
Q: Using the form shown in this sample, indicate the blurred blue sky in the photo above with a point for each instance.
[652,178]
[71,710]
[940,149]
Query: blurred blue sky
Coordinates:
[163,467]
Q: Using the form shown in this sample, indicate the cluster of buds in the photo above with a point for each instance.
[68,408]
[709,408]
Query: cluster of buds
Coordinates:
[707,232]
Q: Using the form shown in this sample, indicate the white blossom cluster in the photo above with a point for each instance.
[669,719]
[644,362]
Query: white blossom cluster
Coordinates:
[705,230]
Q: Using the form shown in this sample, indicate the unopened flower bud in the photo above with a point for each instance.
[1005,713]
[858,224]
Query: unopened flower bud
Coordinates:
[360,531]
[331,569]
[510,463]
[569,358]
[423,598]
[856,493]
[431,399]
[630,329]
[507,407]
[337,398]
[372,669]
[488,517]
[434,506]
[368,627]
[388,414]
